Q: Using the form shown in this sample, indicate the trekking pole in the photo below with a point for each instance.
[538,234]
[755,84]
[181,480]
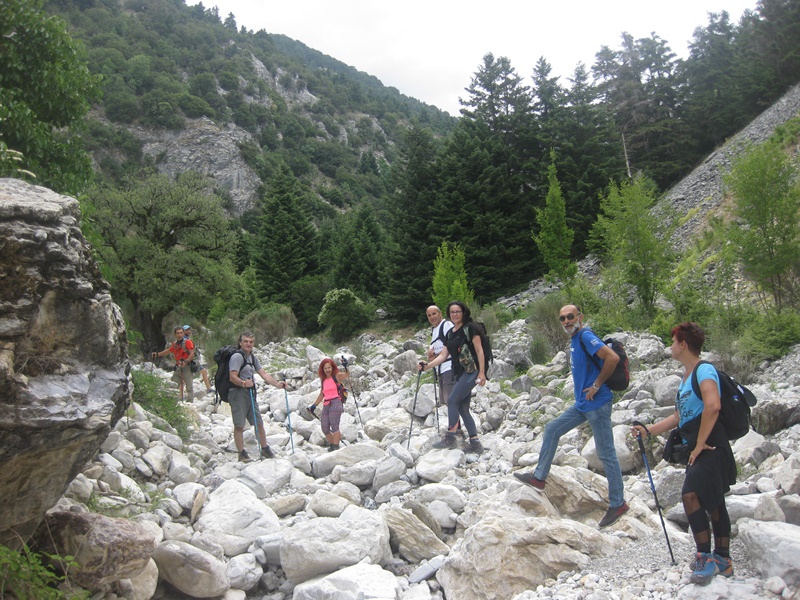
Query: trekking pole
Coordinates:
[413,408]
[288,413]
[255,419]
[653,487]
[355,394]
[436,399]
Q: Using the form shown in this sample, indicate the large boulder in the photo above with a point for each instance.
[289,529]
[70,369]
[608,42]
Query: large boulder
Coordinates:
[326,544]
[506,553]
[234,517]
[63,354]
[105,550]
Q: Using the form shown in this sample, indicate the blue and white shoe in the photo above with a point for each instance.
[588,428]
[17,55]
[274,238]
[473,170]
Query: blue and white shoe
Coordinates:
[705,567]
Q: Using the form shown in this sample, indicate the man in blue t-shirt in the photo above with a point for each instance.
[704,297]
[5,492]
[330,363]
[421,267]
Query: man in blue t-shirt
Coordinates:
[593,402]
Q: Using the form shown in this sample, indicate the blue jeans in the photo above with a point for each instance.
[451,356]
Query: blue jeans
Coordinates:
[458,403]
[600,422]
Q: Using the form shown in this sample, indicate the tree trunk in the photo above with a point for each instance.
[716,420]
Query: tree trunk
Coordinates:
[149,324]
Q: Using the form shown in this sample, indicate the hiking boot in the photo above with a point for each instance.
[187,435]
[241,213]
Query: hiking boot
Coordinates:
[333,447]
[724,564]
[474,446]
[613,514]
[244,457]
[530,480]
[448,441]
[266,452]
[705,567]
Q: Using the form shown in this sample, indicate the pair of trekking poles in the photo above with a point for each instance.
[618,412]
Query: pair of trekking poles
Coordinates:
[414,406]
[254,408]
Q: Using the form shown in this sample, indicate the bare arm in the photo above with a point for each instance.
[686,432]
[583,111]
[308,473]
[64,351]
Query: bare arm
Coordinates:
[476,343]
[711,407]
[610,360]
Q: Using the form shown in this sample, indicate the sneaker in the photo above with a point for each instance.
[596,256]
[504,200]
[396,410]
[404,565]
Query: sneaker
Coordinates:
[244,457]
[705,567]
[448,441]
[333,447]
[210,390]
[266,452]
[613,514]
[724,564]
[530,480]
[474,446]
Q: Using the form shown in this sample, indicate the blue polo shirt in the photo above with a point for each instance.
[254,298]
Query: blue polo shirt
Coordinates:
[584,371]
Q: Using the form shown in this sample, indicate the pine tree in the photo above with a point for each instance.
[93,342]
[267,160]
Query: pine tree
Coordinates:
[286,246]
[416,224]
[554,239]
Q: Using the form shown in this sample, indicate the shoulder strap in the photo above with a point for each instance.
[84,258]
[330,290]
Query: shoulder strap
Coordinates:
[592,357]
[695,383]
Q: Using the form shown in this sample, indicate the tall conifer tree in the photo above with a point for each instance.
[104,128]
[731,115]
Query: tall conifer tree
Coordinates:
[286,247]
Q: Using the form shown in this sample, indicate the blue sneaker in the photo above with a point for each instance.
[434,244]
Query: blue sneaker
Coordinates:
[705,567]
[724,564]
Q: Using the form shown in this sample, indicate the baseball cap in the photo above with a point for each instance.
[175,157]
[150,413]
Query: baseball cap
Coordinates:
[185,327]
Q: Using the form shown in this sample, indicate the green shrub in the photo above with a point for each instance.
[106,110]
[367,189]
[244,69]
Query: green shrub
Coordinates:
[344,313]
[548,335]
[150,392]
[493,316]
[24,577]
[541,351]
[270,323]
[771,335]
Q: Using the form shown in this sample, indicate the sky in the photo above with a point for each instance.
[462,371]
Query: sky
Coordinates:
[430,49]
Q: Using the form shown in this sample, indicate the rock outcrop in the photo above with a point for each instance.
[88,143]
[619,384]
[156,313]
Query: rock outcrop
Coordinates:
[63,354]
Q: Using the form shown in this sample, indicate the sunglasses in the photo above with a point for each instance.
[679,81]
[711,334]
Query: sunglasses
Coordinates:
[563,318]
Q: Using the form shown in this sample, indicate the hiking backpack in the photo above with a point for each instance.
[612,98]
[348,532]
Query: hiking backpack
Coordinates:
[735,402]
[222,378]
[620,379]
[486,344]
[343,391]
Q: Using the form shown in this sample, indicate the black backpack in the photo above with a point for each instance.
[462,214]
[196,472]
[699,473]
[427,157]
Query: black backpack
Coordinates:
[735,401]
[620,379]
[486,344]
[222,379]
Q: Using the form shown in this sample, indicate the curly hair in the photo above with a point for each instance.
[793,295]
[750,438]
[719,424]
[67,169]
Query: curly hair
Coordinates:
[321,370]
[692,334]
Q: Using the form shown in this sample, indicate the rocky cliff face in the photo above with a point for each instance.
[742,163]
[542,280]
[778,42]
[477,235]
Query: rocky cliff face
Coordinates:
[63,354]
[704,188]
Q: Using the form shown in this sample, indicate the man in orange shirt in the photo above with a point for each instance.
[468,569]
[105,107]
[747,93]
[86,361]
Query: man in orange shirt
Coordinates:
[183,352]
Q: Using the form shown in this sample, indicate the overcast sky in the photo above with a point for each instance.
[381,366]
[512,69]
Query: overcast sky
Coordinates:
[431,49]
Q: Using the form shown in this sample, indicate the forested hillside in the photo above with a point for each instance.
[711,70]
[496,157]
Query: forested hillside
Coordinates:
[360,185]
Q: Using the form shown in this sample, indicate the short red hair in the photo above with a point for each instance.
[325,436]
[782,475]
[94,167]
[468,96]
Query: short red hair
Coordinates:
[322,364]
[692,334]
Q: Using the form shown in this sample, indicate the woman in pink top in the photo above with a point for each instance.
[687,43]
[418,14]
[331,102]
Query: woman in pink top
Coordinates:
[331,402]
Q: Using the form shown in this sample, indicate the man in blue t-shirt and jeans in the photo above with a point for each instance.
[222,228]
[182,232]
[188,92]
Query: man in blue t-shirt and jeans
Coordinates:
[593,401]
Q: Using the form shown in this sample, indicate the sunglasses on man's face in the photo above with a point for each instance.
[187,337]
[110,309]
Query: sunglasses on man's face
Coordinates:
[563,318]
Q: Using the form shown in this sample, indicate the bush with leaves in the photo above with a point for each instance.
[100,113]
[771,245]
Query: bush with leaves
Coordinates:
[771,335]
[24,577]
[344,313]
[150,392]
[766,188]
[635,238]
[450,276]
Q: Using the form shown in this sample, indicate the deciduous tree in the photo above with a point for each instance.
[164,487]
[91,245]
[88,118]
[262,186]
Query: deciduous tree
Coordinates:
[765,187]
[45,90]
[162,244]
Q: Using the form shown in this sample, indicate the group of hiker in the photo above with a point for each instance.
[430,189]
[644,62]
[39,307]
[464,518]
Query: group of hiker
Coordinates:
[457,356]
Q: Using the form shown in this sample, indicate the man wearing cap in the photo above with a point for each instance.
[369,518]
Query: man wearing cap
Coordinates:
[183,351]
[187,333]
